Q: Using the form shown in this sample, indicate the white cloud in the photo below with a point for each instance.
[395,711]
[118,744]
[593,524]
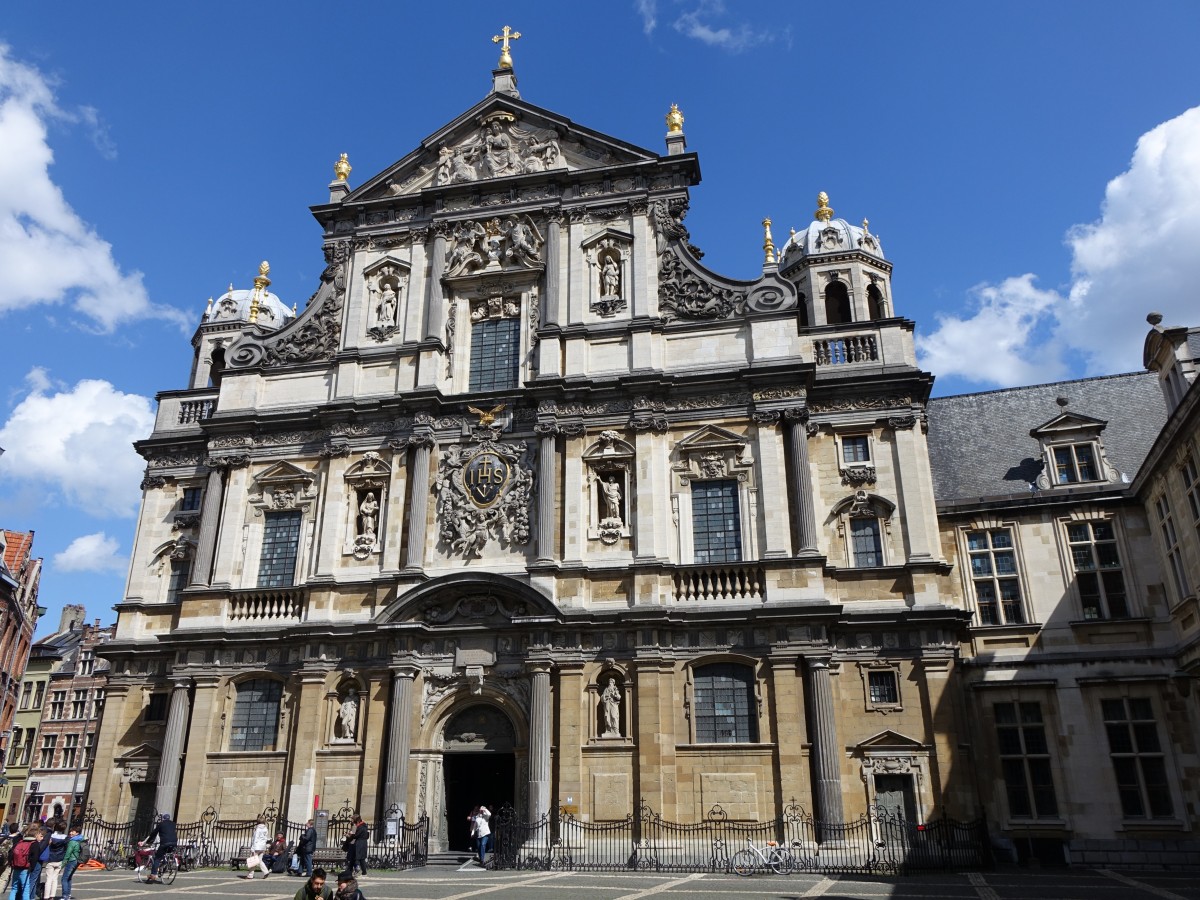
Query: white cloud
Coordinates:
[1142,255]
[91,553]
[78,443]
[648,10]
[699,23]
[47,253]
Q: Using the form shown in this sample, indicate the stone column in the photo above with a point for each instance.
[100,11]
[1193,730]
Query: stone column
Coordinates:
[800,484]
[827,777]
[433,290]
[539,740]
[552,300]
[547,487]
[419,510]
[210,518]
[169,769]
[395,791]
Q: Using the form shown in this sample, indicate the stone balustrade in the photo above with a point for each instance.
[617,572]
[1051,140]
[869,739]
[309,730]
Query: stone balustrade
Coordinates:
[729,583]
[266,606]
[846,349]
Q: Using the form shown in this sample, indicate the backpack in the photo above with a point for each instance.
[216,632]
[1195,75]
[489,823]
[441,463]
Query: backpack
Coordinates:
[85,852]
[20,854]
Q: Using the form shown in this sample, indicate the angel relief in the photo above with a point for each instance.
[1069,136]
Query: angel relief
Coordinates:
[499,149]
[495,244]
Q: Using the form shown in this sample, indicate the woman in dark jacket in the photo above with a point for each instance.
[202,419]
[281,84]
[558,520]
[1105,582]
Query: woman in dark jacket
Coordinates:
[356,846]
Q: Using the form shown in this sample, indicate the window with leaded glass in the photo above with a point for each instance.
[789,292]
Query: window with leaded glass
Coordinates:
[1137,757]
[281,541]
[1166,528]
[1098,570]
[994,576]
[255,715]
[883,688]
[856,449]
[495,346]
[1025,760]
[190,502]
[724,703]
[716,522]
[1074,463]
[866,545]
[1190,473]
[181,570]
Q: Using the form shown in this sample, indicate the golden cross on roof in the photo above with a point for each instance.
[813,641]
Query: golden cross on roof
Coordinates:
[506,34]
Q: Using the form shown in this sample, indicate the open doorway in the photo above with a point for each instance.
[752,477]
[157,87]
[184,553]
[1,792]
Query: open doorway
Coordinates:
[473,779]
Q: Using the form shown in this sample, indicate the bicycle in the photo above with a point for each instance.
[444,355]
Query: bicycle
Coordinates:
[746,862]
[115,856]
[167,869]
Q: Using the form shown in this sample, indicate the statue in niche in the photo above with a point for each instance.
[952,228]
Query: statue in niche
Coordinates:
[611,700]
[348,715]
[368,510]
[610,278]
[611,490]
[385,309]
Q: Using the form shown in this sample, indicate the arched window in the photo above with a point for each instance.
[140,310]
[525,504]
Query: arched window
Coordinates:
[802,306]
[256,715]
[217,368]
[723,704]
[874,302]
[837,303]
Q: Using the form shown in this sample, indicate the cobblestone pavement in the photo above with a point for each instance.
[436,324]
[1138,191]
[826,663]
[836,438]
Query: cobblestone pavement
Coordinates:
[452,884]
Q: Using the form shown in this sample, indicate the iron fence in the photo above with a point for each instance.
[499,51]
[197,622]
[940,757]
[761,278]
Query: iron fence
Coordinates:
[877,842]
[212,842]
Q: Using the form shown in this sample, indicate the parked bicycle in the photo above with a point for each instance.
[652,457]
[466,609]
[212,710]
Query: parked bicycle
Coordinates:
[770,855]
[116,855]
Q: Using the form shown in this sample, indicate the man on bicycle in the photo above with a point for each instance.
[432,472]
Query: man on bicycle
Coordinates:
[164,830]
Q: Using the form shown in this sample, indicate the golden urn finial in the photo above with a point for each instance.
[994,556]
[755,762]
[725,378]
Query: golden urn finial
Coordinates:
[866,227]
[674,120]
[260,287]
[341,168]
[824,211]
[506,34]
[768,243]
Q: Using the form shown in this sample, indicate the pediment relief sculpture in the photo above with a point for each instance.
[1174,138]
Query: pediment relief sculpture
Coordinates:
[498,149]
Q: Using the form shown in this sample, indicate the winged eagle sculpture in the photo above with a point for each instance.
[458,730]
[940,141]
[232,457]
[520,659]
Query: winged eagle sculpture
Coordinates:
[486,418]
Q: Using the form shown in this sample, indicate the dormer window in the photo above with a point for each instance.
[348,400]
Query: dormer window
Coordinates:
[1072,450]
[1075,463]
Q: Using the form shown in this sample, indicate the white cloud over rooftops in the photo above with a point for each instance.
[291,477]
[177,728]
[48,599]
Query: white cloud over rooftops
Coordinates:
[1141,255]
[47,253]
[78,442]
[92,553]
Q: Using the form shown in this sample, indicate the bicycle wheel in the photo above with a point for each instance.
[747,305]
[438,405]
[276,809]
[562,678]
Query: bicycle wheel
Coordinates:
[780,861]
[745,862]
[142,873]
[168,870]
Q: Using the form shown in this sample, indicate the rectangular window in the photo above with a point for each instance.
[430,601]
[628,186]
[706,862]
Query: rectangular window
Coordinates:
[1098,570]
[281,541]
[1166,527]
[70,751]
[884,689]
[79,704]
[39,694]
[255,715]
[26,694]
[181,572]
[1074,463]
[191,499]
[856,449]
[1025,760]
[724,700]
[87,662]
[58,704]
[865,545]
[994,576]
[1190,473]
[46,757]
[495,345]
[98,703]
[716,521]
[156,710]
[89,749]
[1137,758]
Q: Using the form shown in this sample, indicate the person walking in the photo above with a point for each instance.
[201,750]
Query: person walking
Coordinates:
[22,859]
[315,888]
[481,831]
[258,847]
[56,848]
[361,835]
[306,848]
[33,889]
[71,861]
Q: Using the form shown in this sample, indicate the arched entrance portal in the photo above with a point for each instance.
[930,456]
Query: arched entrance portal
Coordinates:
[478,766]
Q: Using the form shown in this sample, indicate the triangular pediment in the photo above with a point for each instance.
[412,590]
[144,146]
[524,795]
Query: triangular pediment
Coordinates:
[284,472]
[711,436]
[140,752]
[1067,423]
[501,137]
[889,740]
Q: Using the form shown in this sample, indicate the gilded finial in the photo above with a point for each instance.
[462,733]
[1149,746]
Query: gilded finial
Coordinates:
[264,269]
[260,286]
[792,233]
[341,168]
[866,227]
[824,212]
[674,120]
[768,243]
[506,34]
[293,309]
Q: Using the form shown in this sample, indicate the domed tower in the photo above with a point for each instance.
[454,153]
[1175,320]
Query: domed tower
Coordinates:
[227,317]
[839,270]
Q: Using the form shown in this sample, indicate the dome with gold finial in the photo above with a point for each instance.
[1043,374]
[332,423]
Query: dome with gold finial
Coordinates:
[827,235]
[256,306]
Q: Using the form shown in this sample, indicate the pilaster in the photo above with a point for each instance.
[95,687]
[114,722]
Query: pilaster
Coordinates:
[210,517]
[205,733]
[423,442]
[308,735]
[790,729]
[915,482]
[572,733]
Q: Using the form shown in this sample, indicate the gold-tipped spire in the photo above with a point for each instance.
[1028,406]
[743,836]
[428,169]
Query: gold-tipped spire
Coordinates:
[261,281]
[506,34]
[674,120]
[866,227]
[341,168]
[768,243]
[824,212]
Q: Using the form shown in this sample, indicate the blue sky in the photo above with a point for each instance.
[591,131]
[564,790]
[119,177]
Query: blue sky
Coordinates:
[1033,170]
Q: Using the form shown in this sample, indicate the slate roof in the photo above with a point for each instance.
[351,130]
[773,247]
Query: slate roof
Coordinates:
[979,444]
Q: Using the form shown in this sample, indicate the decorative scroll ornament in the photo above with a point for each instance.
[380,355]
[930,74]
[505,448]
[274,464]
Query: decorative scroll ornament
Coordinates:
[682,294]
[484,493]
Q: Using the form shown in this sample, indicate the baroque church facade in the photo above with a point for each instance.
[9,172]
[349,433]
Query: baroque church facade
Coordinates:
[528,506]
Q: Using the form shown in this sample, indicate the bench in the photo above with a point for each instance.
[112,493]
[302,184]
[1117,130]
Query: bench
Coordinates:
[328,858]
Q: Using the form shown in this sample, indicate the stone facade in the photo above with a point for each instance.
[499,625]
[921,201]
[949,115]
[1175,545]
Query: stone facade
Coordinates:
[528,506]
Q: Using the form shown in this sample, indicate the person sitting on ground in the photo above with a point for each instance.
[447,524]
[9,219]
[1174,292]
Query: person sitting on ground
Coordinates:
[347,888]
[315,888]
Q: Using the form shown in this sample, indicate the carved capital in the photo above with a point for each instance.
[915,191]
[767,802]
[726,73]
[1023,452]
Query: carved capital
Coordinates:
[648,423]
[422,440]
[902,423]
[796,414]
[546,429]
[228,461]
[334,449]
[765,416]
[152,481]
